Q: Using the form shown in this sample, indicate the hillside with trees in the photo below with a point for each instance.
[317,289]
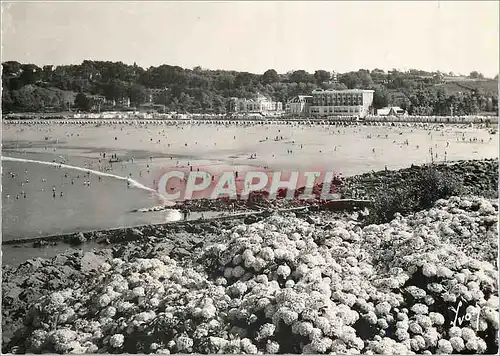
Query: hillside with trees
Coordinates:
[29,88]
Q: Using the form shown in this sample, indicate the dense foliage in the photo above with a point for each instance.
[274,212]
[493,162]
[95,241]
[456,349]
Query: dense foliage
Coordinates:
[429,186]
[27,87]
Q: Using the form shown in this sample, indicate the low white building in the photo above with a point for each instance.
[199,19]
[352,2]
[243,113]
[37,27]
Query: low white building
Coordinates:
[261,104]
[299,106]
[391,111]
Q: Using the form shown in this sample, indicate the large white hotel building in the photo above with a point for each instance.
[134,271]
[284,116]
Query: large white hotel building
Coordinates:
[325,103]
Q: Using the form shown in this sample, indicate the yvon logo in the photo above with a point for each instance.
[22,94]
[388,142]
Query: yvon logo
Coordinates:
[177,184]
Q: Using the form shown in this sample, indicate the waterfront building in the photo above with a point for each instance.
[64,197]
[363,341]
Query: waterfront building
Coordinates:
[391,111]
[299,106]
[261,104]
[351,102]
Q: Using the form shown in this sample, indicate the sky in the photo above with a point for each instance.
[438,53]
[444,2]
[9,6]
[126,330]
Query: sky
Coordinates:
[456,36]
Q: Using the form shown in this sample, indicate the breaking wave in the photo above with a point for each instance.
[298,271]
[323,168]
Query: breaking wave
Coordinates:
[133,183]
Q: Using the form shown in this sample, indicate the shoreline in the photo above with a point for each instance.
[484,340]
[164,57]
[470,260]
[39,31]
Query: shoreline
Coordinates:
[479,176]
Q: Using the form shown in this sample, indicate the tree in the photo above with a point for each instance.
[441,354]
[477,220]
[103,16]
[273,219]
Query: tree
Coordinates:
[26,87]
[476,75]
[351,80]
[270,76]
[11,69]
[115,90]
[333,86]
[322,76]
[243,79]
[301,76]
[138,94]
[82,102]
[30,74]
[47,73]
[380,98]
[7,101]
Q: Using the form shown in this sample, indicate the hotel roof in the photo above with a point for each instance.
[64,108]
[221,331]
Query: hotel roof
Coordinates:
[319,91]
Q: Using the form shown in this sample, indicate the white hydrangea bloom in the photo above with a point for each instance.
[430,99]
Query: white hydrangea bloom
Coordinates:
[431,337]
[266,331]
[370,317]
[444,347]
[272,347]
[383,308]
[138,292]
[382,323]
[424,321]
[315,334]
[429,270]
[455,331]
[417,342]
[104,300]
[104,267]
[436,318]
[435,287]
[420,308]
[248,346]
[184,344]
[117,340]
[472,344]
[320,345]
[238,271]
[481,345]
[303,328]
[283,271]
[444,272]
[457,343]
[228,272]
[57,298]
[402,334]
[468,334]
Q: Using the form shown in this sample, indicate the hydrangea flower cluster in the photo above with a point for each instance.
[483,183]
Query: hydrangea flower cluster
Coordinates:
[284,285]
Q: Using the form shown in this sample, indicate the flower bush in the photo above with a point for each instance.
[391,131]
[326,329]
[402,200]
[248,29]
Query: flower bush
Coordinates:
[284,285]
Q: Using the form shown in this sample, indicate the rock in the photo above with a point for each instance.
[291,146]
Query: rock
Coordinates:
[250,219]
[181,252]
[90,262]
[76,239]
[136,233]
[40,243]
[310,220]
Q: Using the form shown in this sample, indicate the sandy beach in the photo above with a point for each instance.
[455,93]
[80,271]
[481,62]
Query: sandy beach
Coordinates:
[52,200]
